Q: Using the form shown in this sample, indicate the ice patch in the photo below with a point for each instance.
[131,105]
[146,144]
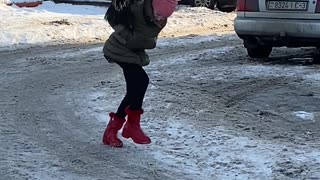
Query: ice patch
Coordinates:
[96,95]
[215,153]
[99,105]
[102,117]
[208,155]
[219,154]
[75,53]
[188,40]
[305,115]
[197,55]
[313,77]
[246,71]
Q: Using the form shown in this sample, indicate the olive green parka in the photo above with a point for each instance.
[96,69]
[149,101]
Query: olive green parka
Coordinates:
[127,45]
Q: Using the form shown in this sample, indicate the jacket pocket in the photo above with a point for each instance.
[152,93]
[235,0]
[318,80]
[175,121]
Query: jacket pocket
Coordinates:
[123,34]
[144,58]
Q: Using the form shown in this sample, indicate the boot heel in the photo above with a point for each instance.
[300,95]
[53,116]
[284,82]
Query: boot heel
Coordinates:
[106,142]
[125,135]
[110,134]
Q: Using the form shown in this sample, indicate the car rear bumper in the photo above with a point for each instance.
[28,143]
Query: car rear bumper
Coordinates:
[277,27]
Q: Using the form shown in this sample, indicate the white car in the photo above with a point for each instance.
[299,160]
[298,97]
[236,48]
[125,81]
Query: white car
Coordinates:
[264,24]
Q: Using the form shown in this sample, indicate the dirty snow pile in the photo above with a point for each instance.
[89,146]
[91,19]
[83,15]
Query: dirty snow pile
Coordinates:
[4,2]
[65,23]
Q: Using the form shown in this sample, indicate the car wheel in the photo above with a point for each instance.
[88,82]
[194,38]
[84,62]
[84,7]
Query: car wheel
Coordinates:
[226,10]
[259,52]
[221,6]
[204,3]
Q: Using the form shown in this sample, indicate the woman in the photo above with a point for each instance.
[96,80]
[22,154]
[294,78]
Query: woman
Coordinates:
[135,30]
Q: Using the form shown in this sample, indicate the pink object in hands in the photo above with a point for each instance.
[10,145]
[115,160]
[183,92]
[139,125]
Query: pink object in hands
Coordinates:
[164,8]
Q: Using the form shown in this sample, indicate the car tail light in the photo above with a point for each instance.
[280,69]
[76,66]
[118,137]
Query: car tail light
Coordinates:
[318,7]
[248,5]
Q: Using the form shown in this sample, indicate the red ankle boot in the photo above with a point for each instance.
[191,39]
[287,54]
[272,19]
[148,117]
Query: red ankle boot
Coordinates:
[110,134]
[132,128]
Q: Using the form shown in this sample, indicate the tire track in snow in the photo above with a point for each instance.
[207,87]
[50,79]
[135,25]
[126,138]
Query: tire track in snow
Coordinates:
[44,118]
[190,139]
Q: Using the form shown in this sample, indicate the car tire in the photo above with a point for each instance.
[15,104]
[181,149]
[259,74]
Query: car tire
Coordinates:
[226,10]
[226,7]
[259,52]
[203,3]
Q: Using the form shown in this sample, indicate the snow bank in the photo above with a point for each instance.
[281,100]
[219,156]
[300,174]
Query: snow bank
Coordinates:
[102,1]
[7,2]
[52,23]
[23,3]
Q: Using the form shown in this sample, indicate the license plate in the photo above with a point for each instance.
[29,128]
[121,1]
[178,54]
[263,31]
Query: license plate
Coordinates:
[288,5]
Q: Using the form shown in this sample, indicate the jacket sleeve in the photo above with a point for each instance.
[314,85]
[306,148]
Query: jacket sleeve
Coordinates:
[145,28]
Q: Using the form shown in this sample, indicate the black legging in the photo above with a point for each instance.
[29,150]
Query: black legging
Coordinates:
[137,82]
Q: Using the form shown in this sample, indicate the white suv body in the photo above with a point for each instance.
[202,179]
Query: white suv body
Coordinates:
[264,24]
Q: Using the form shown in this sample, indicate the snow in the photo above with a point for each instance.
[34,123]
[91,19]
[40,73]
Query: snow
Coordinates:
[314,77]
[304,115]
[24,1]
[216,153]
[52,23]
[178,145]
[66,9]
[194,40]
[2,2]
[90,1]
